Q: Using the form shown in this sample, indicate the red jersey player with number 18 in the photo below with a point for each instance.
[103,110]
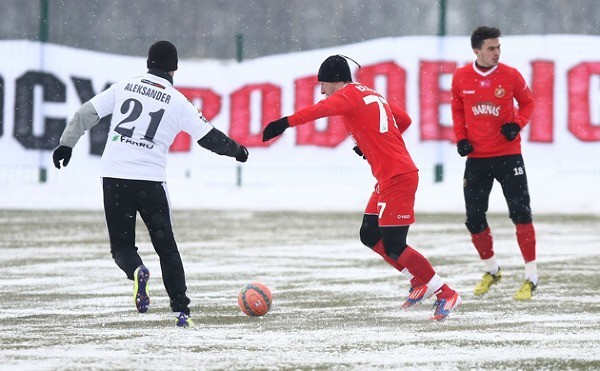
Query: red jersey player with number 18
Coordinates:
[486,127]
[376,126]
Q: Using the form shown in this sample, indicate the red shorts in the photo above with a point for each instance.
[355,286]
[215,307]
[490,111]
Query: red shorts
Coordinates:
[394,200]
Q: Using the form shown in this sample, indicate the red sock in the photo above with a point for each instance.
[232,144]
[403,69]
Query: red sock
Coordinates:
[526,241]
[378,248]
[484,243]
[415,282]
[416,264]
[445,292]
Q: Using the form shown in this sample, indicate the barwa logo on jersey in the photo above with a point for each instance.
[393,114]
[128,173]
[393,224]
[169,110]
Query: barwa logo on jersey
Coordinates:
[132,142]
[486,108]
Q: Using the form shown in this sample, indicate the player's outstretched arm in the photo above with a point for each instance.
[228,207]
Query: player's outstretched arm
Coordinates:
[275,128]
[62,153]
[84,119]
[219,143]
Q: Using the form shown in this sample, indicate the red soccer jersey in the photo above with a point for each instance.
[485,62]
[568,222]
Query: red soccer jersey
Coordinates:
[483,101]
[375,125]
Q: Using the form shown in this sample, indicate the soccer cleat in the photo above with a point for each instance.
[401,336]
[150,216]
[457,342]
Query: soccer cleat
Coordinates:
[487,281]
[526,291]
[443,307]
[183,320]
[416,296]
[140,289]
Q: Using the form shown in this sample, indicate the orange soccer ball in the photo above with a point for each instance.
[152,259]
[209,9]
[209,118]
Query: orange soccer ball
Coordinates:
[255,299]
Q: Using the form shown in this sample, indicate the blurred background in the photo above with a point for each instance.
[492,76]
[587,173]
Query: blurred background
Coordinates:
[209,28]
[59,53]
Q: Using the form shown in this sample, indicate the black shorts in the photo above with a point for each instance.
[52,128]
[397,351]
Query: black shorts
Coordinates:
[123,199]
[479,177]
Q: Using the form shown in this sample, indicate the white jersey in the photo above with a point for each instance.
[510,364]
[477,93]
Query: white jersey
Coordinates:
[147,115]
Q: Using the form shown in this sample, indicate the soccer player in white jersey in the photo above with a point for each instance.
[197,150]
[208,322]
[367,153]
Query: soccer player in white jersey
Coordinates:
[147,114]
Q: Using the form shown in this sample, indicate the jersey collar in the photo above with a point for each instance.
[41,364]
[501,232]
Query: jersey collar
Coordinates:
[484,73]
[162,74]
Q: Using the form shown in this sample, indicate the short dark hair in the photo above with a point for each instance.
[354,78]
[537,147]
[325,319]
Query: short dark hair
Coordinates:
[483,33]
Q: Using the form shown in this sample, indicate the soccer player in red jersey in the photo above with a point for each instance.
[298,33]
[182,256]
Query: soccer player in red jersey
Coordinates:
[377,128]
[486,127]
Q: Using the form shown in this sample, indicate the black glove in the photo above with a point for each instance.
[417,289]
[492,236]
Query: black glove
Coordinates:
[510,130]
[359,152]
[464,147]
[62,153]
[242,155]
[275,128]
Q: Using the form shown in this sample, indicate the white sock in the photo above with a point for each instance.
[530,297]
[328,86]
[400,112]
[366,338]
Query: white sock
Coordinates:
[531,272]
[434,283]
[407,274]
[491,265]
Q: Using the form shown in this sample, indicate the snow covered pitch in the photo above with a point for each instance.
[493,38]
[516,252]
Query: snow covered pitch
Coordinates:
[65,305]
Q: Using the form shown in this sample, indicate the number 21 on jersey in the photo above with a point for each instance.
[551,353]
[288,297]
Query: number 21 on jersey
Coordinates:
[134,109]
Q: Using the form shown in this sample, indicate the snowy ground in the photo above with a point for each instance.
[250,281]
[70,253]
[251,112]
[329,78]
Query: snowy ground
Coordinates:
[65,305]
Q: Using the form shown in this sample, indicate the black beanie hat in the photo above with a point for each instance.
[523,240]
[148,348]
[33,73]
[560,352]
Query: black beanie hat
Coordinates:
[162,56]
[334,69]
